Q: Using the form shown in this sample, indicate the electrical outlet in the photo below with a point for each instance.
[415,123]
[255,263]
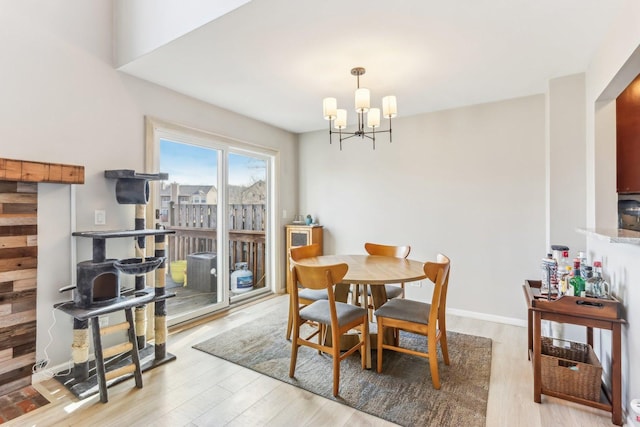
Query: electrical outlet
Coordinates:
[100,217]
[284,214]
[417,284]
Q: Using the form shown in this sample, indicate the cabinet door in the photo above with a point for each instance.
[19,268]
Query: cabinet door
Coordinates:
[628,138]
[299,238]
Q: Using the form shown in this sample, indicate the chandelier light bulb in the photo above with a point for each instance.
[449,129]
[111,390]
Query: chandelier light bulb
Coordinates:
[362,100]
[329,107]
[373,118]
[389,107]
[341,119]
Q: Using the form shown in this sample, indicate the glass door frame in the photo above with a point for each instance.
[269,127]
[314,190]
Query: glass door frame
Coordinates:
[156,130]
[269,277]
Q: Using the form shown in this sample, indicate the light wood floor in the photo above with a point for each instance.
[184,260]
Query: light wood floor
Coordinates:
[200,390]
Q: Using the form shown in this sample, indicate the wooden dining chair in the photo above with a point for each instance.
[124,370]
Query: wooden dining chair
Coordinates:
[305,296]
[419,318]
[391,291]
[340,317]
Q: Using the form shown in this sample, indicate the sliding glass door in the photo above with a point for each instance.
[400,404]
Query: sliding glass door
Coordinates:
[216,199]
[247,202]
[189,206]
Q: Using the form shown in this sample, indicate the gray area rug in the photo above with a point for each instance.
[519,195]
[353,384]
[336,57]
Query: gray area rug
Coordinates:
[402,394]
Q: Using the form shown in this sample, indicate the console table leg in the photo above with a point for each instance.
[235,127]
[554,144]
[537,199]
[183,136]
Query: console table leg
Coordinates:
[590,336]
[537,349]
[529,333]
[616,372]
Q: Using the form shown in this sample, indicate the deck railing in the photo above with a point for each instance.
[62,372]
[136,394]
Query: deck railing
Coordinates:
[196,231]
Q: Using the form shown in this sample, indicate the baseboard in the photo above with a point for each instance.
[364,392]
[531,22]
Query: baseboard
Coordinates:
[488,317]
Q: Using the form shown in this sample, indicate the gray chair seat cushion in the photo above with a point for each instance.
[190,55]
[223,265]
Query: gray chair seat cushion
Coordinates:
[318,311]
[313,294]
[405,309]
[391,290]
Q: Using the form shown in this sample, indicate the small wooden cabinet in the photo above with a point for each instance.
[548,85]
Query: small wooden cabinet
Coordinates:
[300,235]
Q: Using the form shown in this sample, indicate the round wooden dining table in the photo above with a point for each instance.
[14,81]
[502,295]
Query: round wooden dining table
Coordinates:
[372,270]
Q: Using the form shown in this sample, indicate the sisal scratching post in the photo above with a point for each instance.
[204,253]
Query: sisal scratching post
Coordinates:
[80,349]
[161,304]
[140,312]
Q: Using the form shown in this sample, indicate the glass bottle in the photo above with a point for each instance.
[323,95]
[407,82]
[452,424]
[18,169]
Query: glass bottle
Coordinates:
[599,286]
[583,264]
[564,262]
[588,280]
[577,282]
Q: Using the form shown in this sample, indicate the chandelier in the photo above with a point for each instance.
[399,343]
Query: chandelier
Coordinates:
[338,117]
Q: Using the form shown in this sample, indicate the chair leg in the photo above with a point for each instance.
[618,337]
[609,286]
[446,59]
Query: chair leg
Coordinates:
[289,324]
[433,362]
[336,362]
[290,318]
[445,349]
[380,338]
[363,340]
[321,334]
[294,349]
[443,340]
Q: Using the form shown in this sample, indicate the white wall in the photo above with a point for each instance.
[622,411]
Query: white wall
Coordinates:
[469,183]
[566,162]
[616,63]
[62,101]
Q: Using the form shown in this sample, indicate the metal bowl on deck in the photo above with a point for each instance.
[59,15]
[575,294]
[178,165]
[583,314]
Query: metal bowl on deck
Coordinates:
[138,265]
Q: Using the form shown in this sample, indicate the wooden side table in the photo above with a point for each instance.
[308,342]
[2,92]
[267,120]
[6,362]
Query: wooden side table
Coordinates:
[588,312]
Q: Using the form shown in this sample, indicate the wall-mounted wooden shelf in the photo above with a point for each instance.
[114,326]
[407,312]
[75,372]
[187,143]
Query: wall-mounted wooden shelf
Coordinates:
[25,171]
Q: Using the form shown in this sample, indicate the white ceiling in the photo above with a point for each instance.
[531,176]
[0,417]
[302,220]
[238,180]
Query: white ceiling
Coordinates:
[274,60]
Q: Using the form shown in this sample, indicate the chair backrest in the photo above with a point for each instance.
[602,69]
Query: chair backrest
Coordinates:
[438,273]
[299,252]
[318,277]
[387,250]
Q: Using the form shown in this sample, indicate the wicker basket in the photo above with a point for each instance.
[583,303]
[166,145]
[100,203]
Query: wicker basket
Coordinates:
[573,370]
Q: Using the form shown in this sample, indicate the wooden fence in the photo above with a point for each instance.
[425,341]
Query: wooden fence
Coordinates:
[196,231]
